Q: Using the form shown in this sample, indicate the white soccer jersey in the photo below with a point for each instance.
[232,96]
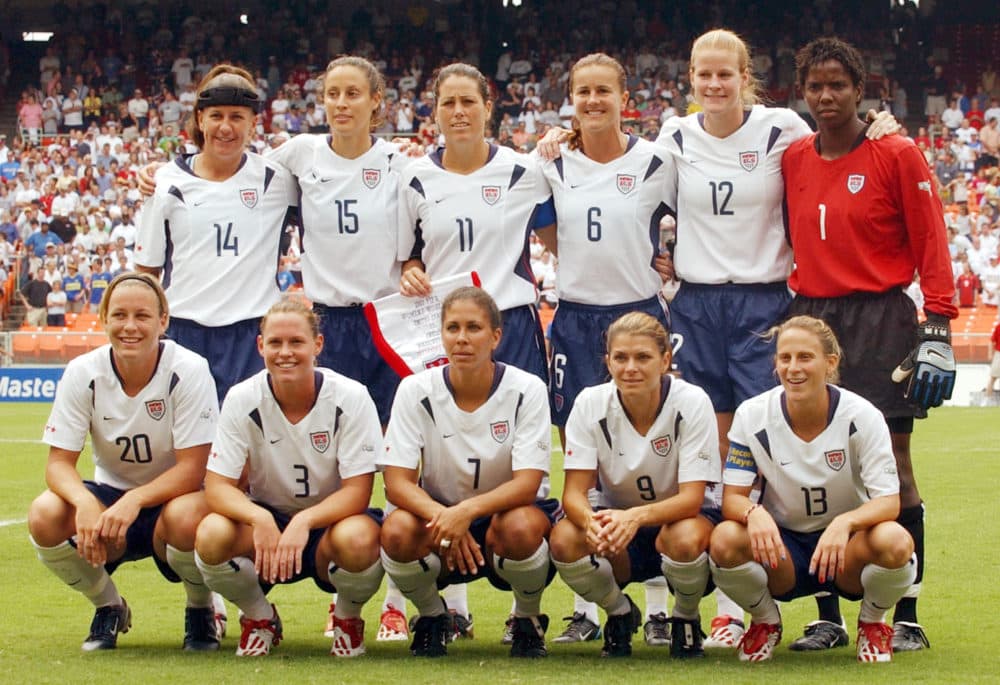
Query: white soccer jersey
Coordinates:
[294,466]
[349,214]
[475,222]
[217,242]
[804,485]
[730,221]
[609,222]
[134,438]
[632,469]
[461,454]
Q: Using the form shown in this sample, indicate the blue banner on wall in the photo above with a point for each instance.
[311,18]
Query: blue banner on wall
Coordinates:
[29,384]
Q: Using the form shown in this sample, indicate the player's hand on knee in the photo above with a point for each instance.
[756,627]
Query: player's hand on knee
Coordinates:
[288,554]
[114,522]
[266,537]
[620,526]
[830,556]
[929,369]
[465,555]
[765,538]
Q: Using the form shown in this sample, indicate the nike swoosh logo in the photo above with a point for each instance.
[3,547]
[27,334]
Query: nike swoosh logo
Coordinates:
[534,592]
[437,202]
[934,353]
[784,463]
[574,186]
[109,418]
[199,204]
[325,180]
[275,440]
[445,436]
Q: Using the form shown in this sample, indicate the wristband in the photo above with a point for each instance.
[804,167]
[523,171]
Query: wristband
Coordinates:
[746,516]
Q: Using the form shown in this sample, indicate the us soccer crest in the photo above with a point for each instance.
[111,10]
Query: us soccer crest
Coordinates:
[371,177]
[320,441]
[661,445]
[249,197]
[491,194]
[855,182]
[626,183]
[748,160]
[835,459]
[500,430]
[156,409]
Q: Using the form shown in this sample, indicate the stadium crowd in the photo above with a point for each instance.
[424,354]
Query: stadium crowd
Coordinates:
[108,101]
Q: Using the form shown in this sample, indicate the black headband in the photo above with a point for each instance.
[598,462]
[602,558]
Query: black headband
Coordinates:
[233,96]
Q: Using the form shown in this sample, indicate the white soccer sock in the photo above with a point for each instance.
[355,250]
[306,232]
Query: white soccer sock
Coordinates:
[393,597]
[591,577]
[656,596]
[354,588]
[689,580]
[93,582]
[726,606]
[588,609]
[236,580]
[883,588]
[746,585]
[457,598]
[198,593]
[417,580]
[527,579]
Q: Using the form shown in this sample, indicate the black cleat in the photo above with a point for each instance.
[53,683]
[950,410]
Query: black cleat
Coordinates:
[820,635]
[618,631]
[108,622]
[431,635]
[685,638]
[200,630]
[529,637]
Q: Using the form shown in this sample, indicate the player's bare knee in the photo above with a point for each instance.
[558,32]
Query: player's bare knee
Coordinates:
[727,544]
[567,542]
[355,543]
[214,539]
[50,519]
[402,535]
[891,544]
[681,543]
[180,518]
[517,533]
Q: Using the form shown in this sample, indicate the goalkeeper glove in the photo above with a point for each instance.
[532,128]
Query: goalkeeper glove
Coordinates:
[930,368]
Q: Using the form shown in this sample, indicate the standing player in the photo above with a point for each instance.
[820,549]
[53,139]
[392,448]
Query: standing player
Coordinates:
[610,191]
[213,230]
[149,406]
[863,216]
[305,439]
[471,207]
[466,455]
[822,456]
[649,441]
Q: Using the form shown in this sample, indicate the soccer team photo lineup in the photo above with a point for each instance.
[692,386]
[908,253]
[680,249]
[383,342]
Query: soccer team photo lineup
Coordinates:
[643,311]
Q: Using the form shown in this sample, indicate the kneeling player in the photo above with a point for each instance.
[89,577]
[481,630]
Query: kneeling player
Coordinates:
[305,439]
[649,442]
[466,454]
[826,519]
[150,408]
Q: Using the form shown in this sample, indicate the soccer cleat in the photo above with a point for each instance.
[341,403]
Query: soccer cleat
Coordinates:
[430,635]
[909,637]
[200,631]
[874,642]
[759,641]
[392,625]
[580,629]
[508,631]
[328,630]
[258,636]
[820,635]
[108,622]
[657,630]
[685,638]
[726,633]
[528,641]
[348,637]
[221,616]
[618,632]
[462,626]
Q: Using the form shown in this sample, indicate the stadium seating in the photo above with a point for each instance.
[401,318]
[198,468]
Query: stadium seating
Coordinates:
[25,347]
[971,334]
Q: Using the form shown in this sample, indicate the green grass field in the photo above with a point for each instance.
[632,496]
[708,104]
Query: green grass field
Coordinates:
[956,454]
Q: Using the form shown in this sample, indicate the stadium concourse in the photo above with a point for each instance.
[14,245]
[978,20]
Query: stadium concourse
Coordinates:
[113,88]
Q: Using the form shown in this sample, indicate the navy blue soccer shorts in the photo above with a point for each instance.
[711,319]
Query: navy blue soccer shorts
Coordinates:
[231,350]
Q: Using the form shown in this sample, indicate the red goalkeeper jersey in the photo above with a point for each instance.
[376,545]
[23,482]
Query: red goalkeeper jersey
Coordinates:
[866,221]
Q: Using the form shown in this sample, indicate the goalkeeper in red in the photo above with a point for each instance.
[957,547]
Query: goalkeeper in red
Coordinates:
[864,215]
